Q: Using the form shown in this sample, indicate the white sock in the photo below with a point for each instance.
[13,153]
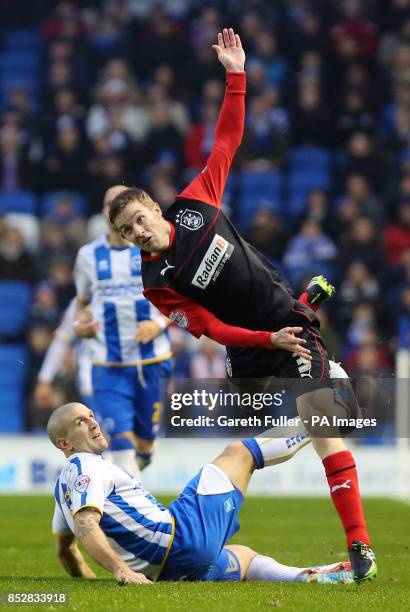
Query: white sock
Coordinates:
[268,451]
[265,569]
[126,459]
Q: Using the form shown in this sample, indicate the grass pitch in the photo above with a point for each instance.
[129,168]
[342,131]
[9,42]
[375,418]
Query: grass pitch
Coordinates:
[294,531]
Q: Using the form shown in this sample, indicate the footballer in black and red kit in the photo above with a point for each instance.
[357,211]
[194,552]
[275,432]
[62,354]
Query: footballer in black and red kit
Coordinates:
[211,282]
[200,273]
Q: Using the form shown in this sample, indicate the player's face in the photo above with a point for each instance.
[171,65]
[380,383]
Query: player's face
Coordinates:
[143,226]
[83,432]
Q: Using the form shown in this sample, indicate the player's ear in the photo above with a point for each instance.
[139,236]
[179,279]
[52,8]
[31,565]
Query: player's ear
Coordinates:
[63,445]
[157,209]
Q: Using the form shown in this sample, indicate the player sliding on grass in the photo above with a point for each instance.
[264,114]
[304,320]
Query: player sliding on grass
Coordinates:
[199,272]
[126,531]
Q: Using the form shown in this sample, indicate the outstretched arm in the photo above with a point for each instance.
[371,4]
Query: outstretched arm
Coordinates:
[196,319]
[91,536]
[208,185]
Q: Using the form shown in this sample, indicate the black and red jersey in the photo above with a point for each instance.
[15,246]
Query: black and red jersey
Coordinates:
[210,281]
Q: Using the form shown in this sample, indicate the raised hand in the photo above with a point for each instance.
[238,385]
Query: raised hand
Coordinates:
[229,51]
[287,340]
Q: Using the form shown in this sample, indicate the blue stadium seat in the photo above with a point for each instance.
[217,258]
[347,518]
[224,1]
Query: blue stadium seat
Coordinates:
[262,184]
[13,371]
[255,188]
[310,158]
[305,181]
[19,60]
[51,198]
[15,300]
[27,80]
[300,184]
[13,363]
[18,202]
[12,409]
[22,39]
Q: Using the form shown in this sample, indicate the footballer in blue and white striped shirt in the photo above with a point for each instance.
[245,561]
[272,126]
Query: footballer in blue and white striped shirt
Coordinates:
[128,341]
[138,540]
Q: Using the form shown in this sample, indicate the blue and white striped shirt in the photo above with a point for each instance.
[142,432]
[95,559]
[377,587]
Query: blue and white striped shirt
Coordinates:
[139,529]
[110,278]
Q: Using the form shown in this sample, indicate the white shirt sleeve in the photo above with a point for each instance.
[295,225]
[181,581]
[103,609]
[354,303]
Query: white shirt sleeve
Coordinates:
[82,277]
[89,484]
[59,524]
[64,336]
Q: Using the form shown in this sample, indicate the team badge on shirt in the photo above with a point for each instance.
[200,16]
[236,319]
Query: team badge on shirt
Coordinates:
[81,484]
[179,318]
[190,219]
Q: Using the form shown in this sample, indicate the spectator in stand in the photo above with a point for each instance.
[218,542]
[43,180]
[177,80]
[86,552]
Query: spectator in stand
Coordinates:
[61,277]
[354,115]
[267,233]
[66,163]
[54,245]
[306,31]
[164,141]
[358,189]
[105,171]
[340,224]
[200,138]
[65,107]
[355,28]
[16,169]
[397,235]
[117,107]
[369,359]
[311,120]
[65,214]
[309,251]
[266,137]
[357,286]
[16,263]
[365,244]
[317,209]
[44,310]
[156,94]
[364,319]
[275,65]
[364,159]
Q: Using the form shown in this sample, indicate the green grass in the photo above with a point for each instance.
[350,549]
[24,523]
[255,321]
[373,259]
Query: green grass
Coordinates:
[294,531]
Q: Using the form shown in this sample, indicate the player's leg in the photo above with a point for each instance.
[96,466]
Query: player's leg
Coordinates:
[237,462]
[147,408]
[337,460]
[343,482]
[237,562]
[114,406]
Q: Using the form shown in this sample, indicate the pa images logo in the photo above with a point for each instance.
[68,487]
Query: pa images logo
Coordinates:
[190,219]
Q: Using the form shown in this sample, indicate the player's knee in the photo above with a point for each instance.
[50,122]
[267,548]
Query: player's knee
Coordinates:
[236,450]
[244,554]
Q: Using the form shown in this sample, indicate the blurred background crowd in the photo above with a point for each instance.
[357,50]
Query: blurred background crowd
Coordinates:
[94,94]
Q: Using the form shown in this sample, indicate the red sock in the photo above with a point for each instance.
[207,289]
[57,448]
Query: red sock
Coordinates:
[344,488]
[304,298]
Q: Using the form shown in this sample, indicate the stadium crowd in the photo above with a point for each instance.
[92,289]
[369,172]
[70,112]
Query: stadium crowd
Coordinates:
[128,91]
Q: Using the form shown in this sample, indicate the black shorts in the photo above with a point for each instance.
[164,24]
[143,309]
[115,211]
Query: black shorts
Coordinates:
[248,363]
